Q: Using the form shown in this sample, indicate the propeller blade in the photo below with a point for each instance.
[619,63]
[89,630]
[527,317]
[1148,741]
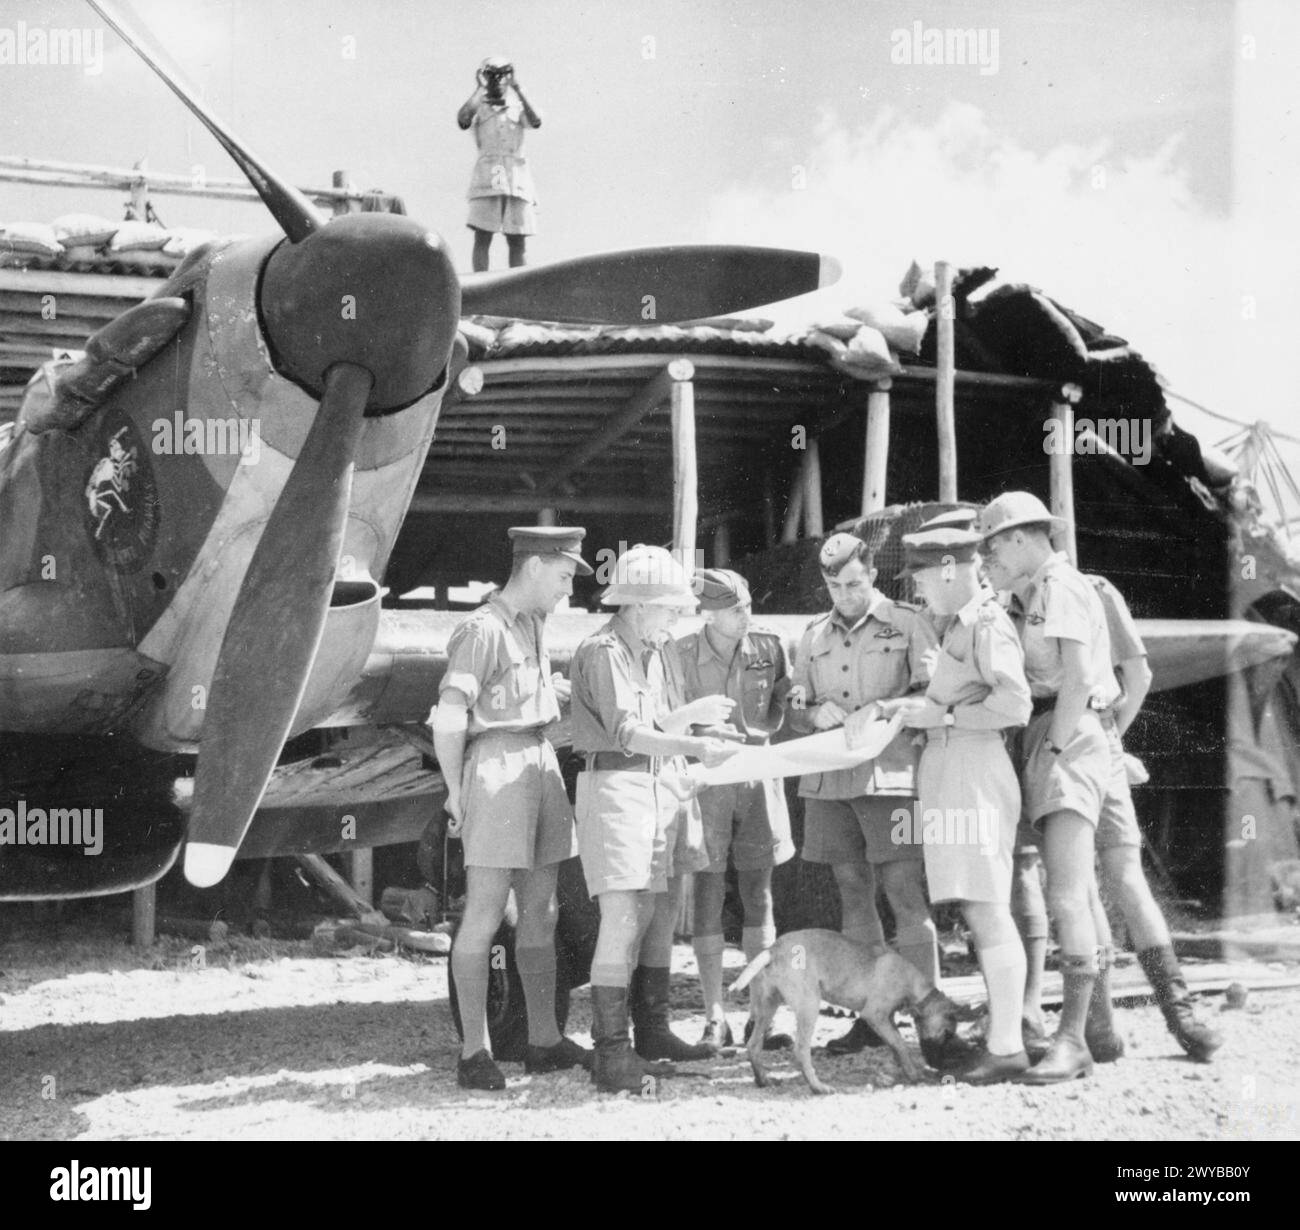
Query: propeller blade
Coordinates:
[274,631]
[297,216]
[648,285]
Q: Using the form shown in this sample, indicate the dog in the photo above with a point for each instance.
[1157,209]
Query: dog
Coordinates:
[803,968]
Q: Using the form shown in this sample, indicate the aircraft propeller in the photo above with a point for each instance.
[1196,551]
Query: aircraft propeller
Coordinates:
[391,350]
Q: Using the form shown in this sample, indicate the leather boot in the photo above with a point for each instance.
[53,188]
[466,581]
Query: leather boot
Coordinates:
[615,1067]
[1068,1057]
[1166,977]
[1104,1044]
[648,995]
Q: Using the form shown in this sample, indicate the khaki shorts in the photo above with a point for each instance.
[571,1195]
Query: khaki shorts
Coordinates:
[517,813]
[1118,825]
[856,830]
[749,821]
[969,806]
[510,214]
[1075,780]
[628,827]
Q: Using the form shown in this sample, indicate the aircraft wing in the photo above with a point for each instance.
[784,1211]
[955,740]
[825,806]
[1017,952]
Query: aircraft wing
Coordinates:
[400,681]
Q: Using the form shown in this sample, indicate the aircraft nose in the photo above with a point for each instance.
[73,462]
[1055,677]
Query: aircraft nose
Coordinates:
[375,290]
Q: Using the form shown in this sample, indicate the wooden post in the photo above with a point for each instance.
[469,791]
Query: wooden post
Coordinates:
[812,481]
[875,460]
[363,874]
[140,199]
[1061,464]
[722,545]
[144,915]
[794,512]
[943,386]
[686,507]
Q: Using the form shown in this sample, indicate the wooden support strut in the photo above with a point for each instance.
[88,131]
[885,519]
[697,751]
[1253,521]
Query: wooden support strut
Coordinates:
[144,915]
[944,388]
[686,498]
[875,461]
[814,525]
[1061,470]
[654,393]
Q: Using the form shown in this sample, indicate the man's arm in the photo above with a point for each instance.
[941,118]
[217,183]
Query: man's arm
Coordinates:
[1137,683]
[465,116]
[1072,700]
[534,120]
[450,721]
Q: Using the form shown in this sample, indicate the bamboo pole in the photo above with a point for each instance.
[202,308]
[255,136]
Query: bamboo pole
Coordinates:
[944,383]
[812,504]
[1061,469]
[875,461]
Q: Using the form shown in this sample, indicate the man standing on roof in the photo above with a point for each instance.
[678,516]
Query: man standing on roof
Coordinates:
[501,192]
[748,821]
[627,819]
[865,649]
[505,796]
[1065,757]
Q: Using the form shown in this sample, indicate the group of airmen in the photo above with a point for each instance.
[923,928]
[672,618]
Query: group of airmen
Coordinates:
[1012,681]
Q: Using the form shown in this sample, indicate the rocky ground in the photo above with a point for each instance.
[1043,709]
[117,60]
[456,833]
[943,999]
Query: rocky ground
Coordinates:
[265,1040]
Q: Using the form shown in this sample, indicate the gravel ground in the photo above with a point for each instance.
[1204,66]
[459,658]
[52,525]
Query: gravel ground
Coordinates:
[266,1041]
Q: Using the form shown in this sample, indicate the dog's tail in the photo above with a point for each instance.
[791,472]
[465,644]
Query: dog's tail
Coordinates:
[750,971]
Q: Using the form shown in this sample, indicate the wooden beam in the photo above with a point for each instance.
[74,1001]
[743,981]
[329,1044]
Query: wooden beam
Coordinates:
[1061,468]
[875,460]
[944,384]
[455,502]
[686,484]
[652,394]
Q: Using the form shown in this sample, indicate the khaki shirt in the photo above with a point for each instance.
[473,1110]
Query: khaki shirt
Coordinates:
[980,672]
[756,676]
[614,694]
[879,657]
[497,658]
[501,169]
[1061,605]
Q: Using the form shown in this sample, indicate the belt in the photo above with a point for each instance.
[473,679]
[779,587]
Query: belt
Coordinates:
[619,762]
[1045,704]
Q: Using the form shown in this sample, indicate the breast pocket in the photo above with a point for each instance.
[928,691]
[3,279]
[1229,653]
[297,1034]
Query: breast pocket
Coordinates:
[882,668]
[756,685]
